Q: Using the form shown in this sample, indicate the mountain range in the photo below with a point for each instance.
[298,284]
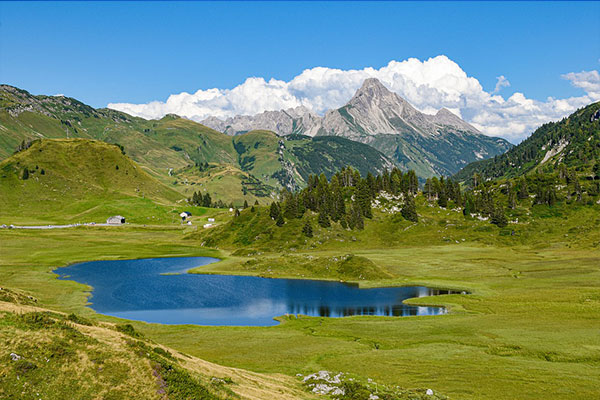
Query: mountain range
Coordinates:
[439,144]
[183,154]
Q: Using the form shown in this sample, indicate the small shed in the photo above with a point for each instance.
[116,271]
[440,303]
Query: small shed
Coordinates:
[116,220]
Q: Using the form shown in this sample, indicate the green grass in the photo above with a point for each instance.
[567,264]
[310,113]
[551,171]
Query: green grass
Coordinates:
[529,327]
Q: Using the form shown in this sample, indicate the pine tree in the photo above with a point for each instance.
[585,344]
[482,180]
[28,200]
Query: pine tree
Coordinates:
[443,200]
[522,190]
[344,222]
[363,198]
[468,207]
[255,202]
[409,210]
[497,217]
[307,229]
[206,200]
[274,211]
[237,213]
[25,174]
[324,220]
[245,204]
[512,197]
[280,220]
[359,222]
[290,206]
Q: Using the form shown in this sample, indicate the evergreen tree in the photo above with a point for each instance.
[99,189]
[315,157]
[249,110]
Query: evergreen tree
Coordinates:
[512,197]
[280,220]
[25,174]
[324,220]
[339,205]
[577,187]
[274,211]
[359,222]
[237,213]
[300,206]
[497,217]
[350,219]
[469,207]
[252,209]
[307,229]
[290,206]
[206,200]
[245,204]
[344,222]
[409,210]
[197,199]
[255,202]
[522,190]
[551,196]
[442,199]
[428,189]
[363,198]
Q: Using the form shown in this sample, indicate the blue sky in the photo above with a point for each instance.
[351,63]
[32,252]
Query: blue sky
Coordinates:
[137,52]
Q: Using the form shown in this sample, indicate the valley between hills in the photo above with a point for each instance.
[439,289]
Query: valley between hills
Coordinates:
[513,239]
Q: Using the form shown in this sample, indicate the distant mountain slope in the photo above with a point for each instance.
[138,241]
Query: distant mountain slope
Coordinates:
[573,141]
[68,179]
[245,167]
[299,120]
[437,144]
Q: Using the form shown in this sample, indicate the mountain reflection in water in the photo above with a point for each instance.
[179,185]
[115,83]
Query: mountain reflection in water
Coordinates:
[139,290]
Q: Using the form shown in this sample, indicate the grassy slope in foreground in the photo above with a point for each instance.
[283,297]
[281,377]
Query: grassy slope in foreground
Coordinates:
[44,350]
[528,329]
[78,180]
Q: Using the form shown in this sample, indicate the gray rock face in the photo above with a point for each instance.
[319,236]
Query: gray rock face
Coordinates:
[375,110]
[299,120]
[437,144]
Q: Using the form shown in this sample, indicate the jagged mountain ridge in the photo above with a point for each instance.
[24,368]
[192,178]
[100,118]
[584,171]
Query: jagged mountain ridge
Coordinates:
[439,144]
[251,166]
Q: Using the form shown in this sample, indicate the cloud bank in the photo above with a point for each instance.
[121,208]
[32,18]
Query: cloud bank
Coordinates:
[428,85]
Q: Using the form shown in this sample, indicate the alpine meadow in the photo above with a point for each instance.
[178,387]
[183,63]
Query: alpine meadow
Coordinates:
[349,201]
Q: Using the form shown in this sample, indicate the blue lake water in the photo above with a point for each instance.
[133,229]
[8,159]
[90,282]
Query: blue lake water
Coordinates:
[140,290]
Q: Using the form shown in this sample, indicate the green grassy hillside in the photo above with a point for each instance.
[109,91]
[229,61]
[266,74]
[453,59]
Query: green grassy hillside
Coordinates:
[573,142]
[172,144]
[78,180]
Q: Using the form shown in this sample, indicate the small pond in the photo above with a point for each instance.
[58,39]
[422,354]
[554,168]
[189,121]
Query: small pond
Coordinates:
[159,290]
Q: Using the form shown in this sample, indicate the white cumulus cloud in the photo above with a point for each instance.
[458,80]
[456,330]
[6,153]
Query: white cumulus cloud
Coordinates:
[428,85]
[501,82]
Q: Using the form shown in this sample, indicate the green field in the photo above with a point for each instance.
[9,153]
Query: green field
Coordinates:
[528,328]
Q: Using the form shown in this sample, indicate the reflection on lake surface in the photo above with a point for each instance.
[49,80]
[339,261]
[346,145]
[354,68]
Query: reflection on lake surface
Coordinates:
[139,290]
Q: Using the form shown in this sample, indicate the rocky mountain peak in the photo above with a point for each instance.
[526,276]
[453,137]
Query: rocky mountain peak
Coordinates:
[373,95]
[448,118]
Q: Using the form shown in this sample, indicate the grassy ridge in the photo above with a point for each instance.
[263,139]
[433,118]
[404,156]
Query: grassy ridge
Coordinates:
[574,142]
[77,180]
[166,147]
